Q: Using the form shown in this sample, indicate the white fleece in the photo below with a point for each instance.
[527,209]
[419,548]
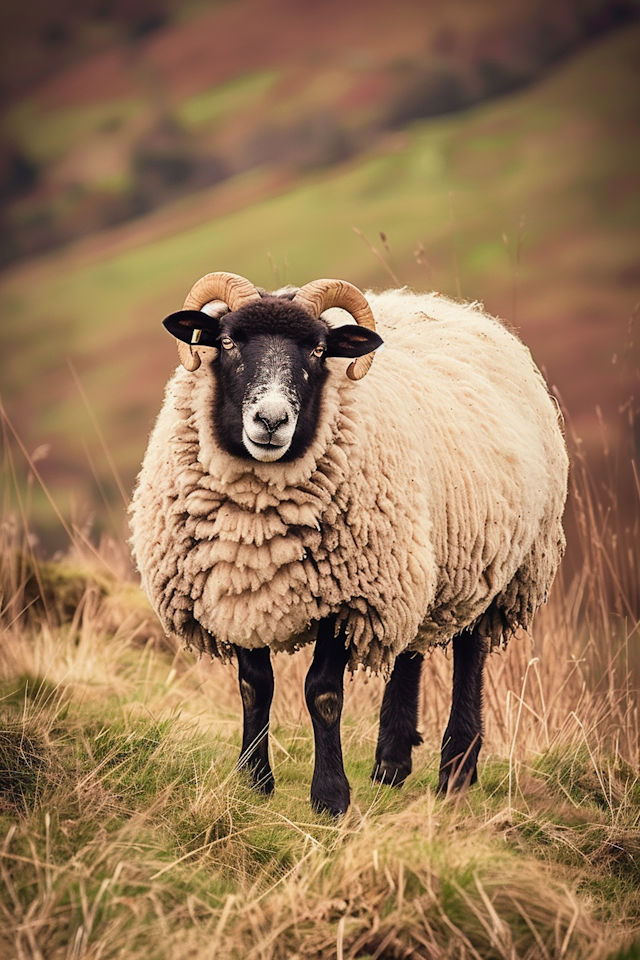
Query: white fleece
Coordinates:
[434,487]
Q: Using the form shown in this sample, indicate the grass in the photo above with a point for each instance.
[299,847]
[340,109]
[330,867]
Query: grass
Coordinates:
[46,135]
[126,830]
[218,103]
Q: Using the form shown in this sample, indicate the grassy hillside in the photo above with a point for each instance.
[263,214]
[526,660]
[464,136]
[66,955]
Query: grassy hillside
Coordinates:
[530,203]
[127,832]
[118,108]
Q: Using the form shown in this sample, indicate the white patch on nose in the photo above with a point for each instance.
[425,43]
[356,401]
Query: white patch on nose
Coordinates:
[270,407]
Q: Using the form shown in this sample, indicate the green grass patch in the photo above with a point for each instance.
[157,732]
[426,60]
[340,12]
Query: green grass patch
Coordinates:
[46,134]
[218,103]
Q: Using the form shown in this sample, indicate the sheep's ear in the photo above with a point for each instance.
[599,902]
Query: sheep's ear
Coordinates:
[193,326]
[352,340]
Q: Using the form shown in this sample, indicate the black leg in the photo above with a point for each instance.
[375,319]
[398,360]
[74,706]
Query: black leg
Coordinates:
[324,696]
[399,721]
[463,737]
[256,689]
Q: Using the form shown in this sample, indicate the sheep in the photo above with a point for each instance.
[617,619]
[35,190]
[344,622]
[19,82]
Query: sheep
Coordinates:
[282,503]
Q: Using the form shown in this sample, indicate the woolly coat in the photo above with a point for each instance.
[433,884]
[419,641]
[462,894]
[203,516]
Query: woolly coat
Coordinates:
[429,501]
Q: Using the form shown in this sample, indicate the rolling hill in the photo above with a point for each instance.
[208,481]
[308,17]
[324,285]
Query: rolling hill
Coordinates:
[530,203]
[113,109]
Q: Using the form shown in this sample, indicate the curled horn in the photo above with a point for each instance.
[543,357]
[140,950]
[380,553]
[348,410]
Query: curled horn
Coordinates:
[320,295]
[235,291]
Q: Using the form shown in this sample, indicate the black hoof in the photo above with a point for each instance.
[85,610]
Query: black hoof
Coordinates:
[455,776]
[334,801]
[390,772]
[336,807]
[263,784]
[260,775]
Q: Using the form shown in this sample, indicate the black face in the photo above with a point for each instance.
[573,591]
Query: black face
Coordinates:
[270,371]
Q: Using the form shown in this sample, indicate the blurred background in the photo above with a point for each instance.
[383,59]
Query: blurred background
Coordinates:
[485,149]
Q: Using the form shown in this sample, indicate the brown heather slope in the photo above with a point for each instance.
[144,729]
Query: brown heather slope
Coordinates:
[153,114]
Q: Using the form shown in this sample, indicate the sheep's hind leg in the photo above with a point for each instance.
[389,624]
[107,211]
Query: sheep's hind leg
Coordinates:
[255,675]
[399,721]
[324,695]
[463,737]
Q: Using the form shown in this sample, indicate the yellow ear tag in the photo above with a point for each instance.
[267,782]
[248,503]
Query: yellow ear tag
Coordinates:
[195,336]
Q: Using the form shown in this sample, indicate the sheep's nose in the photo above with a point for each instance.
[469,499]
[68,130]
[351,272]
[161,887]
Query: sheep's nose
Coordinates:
[272,419]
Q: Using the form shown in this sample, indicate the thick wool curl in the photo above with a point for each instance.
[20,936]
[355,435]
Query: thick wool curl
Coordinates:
[430,500]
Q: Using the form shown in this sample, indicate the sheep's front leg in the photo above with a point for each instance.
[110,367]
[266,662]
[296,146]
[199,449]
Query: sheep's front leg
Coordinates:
[399,721]
[255,675]
[324,695]
[463,737]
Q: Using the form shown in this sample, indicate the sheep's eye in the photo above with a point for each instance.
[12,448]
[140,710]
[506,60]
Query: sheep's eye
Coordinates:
[227,343]
[318,351]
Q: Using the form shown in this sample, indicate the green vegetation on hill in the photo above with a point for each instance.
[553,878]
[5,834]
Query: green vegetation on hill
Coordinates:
[213,105]
[530,203]
[47,135]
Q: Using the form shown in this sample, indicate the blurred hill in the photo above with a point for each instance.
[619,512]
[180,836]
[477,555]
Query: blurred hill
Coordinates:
[530,202]
[115,107]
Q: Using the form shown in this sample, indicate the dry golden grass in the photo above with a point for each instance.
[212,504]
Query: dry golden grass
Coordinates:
[125,830]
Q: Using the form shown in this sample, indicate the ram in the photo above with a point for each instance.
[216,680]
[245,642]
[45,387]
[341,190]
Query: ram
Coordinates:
[286,499]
